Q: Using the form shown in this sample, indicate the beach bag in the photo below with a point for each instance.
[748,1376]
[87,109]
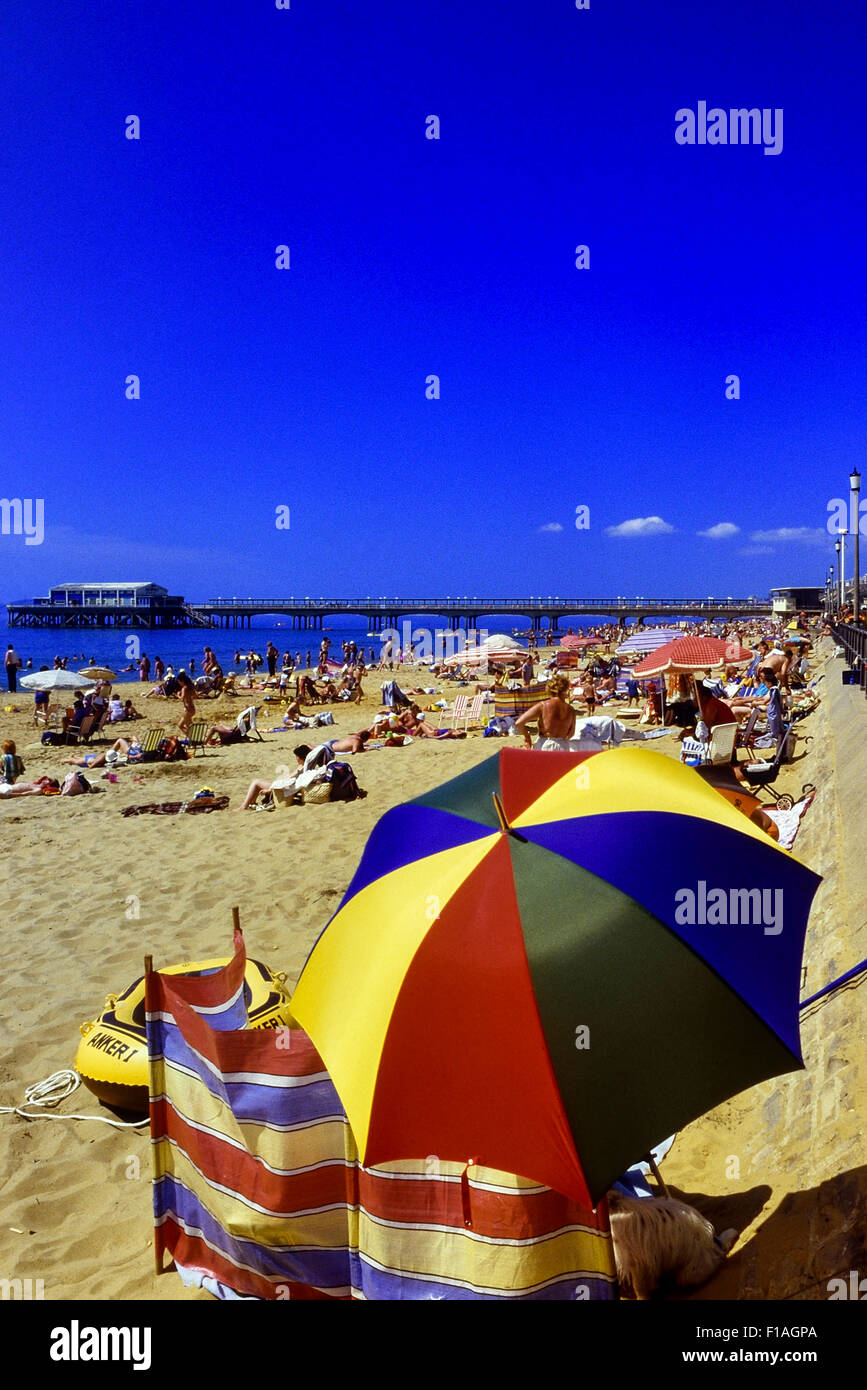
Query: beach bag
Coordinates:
[341,781]
[74,783]
[173,750]
[317,792]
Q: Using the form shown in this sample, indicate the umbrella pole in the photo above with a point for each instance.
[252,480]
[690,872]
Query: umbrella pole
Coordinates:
[657,1176]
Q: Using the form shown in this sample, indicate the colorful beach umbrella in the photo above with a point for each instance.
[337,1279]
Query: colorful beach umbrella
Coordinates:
[525,972]
[571,642]
[693,654]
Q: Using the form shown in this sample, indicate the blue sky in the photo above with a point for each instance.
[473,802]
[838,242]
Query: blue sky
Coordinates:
[305,388]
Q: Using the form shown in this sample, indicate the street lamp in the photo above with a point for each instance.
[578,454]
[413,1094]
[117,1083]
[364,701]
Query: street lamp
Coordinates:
[855,485]
[837,548]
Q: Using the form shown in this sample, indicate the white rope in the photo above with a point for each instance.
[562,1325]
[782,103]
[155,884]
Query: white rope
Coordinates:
[50,1092]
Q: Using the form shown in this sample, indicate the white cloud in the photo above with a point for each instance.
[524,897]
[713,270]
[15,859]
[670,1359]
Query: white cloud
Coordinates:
[551,526]
[792,535]
[640,526]
[756,550]
[721,531]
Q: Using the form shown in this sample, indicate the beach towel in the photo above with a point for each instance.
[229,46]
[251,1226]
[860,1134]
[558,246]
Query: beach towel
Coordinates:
[174,808]
[393,697]
[789,822]
[258,1186]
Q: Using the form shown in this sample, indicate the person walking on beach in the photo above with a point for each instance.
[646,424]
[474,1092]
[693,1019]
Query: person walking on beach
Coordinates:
[144,667]
[13,662]
[185,693]
[271,655]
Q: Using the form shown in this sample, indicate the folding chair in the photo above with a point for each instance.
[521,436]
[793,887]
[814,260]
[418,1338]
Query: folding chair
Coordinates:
[745,735]
[474,709]
[459,711]
[152,740]
[197,736]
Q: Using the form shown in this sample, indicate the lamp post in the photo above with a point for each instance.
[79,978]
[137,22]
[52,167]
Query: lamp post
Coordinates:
[855,484]
[829,588]
[843,534]
[837,548]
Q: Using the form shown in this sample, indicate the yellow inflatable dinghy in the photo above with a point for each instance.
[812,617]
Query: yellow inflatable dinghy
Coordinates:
[112,1057]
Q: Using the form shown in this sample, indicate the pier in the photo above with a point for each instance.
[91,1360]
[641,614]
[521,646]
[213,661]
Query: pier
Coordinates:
[537,611]
[73,608]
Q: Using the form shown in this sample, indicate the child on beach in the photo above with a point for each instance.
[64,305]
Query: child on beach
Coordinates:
[13,767]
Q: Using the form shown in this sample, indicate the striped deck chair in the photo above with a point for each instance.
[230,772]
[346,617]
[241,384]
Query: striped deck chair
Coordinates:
[258,1188]
[458,711]
[152,740]
[473,712]
[198,736]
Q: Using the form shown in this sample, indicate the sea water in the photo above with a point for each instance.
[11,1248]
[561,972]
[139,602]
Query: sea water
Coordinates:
[120,647]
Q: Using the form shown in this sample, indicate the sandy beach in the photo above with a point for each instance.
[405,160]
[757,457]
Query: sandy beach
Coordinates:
[89,892]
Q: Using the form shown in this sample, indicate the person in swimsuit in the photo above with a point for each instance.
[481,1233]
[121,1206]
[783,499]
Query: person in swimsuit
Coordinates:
[185,693]
[555,717]
[415,723]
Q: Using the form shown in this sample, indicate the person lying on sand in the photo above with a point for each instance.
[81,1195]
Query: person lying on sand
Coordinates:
[43,786]
[228,733]
[415,723]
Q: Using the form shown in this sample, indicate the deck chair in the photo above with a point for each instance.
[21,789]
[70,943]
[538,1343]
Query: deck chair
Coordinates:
[717,751]
[459,710]
[745,735]
[152,740]
[722,744]
[249,714]
[474,709]
[47,715]
[198,736]
[81,733]
[103,720]
[766,771]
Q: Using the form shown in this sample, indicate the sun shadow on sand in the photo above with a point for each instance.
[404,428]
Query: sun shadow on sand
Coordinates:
[811,1237]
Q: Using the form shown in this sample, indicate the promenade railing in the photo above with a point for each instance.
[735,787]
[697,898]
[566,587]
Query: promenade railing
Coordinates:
[491,605]
[853,640]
